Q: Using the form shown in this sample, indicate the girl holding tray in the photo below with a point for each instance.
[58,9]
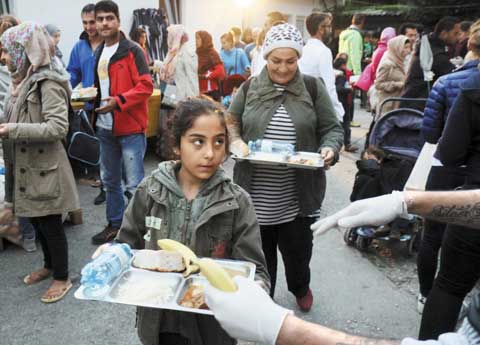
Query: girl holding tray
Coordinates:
[199,206]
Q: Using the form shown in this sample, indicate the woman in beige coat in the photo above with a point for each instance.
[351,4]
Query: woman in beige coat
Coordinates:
[391,73]
[40,183]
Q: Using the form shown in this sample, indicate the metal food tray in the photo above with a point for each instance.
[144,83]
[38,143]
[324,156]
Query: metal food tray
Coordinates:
[176,281]
[279,159]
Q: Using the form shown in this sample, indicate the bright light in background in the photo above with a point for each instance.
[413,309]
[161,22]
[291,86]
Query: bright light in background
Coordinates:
[243,3]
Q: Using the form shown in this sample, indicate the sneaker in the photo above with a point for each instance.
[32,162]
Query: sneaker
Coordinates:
[421,303]
[305,302]
[350,148]
[106,235]
[29,244]
[101,197]
[354,124]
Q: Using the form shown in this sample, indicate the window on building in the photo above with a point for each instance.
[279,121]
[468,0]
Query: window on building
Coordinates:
[300,24]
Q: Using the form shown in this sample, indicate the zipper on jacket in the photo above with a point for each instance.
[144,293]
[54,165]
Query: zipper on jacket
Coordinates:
[188,214]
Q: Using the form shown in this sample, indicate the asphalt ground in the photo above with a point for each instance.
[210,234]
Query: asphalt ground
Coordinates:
[369,294]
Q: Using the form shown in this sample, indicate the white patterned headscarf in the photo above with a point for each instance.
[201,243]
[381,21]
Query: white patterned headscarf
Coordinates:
[283,36]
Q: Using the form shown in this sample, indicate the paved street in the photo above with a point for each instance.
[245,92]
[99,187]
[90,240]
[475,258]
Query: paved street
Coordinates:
[370,294]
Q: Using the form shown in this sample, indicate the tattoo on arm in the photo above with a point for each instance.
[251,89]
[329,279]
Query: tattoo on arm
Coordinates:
[468,215]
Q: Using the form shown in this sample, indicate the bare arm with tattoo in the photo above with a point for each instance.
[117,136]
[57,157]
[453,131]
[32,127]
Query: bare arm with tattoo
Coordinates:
[459,207]
[296,331]
[455,207]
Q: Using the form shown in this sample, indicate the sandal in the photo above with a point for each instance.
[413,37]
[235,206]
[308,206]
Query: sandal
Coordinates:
[56,294]
[37,276]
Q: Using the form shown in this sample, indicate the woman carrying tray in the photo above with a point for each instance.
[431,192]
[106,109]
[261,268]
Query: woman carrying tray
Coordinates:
[199,206]
[282,104]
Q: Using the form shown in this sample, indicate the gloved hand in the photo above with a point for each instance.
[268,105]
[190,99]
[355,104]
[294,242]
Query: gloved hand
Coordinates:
[248,313]
[374,211]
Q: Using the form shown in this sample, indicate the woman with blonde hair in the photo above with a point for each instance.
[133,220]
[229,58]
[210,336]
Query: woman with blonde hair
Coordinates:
[391,72]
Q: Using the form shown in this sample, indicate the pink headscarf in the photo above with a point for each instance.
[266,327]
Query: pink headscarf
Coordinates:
[177,36]
[387,34]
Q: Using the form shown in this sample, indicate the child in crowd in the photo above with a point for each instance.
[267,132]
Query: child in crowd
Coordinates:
[367,179]
[344,92]
[199,206]
[230,87]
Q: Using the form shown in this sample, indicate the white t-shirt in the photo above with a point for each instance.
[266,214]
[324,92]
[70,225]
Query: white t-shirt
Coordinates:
[316,61]
[105,120]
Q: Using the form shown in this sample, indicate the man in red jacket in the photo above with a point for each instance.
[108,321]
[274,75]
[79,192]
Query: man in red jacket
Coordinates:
[124,83]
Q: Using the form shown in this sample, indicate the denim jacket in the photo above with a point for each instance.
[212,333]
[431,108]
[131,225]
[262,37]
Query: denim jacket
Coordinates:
[220,222]
[316,126]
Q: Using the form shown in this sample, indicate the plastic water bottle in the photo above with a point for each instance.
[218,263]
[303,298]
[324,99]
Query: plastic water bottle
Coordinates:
[270,146]
[98,275]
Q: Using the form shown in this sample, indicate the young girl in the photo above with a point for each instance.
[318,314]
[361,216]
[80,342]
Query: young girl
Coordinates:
[200,207]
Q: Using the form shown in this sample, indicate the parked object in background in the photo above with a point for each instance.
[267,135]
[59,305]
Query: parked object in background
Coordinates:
[153,21]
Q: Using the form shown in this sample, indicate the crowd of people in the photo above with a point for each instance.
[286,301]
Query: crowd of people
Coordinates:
[265,83]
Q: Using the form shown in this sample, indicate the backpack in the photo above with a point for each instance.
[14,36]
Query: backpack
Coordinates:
[81,142]
[310,84]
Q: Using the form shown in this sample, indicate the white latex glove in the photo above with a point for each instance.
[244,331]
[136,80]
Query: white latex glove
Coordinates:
[374,211]
[248,313]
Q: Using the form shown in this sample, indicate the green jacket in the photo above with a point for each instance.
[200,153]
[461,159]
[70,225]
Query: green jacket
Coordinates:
[351,42]
[316,127]
[220,222]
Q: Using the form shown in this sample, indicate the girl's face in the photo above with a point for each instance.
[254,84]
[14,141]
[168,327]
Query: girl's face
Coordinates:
[56,37]
[198,41]
[407,48]
[226,44]
[143,39]
[202,148]
[6,59]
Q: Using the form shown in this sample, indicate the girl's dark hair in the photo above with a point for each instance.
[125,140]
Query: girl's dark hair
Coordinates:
[189,110]
[338,62]
[136,34]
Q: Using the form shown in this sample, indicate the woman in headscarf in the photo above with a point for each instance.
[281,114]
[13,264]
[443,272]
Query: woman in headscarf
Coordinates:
[386,35]
[210,66]
[282,104]
[55,34]
[39,180]
[391,72]
[181,64]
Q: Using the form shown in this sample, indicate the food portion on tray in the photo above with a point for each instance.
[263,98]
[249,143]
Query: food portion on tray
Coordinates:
[271,152]
[171,278]
[84,94]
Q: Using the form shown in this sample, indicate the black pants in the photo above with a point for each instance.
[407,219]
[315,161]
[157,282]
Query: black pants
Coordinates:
[172,339]
[440,178]
[54,244]
[295,241]
[459,272]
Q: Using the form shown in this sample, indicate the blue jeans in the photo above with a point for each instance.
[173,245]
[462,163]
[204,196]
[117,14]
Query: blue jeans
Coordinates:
[118,153]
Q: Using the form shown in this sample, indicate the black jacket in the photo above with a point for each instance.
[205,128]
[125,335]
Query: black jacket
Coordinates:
[415,85]
[460,141]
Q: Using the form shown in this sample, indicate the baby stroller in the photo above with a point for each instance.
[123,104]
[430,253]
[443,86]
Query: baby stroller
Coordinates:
[398,136]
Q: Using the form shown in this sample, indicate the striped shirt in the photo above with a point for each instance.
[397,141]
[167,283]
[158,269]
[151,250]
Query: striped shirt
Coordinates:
[273,188]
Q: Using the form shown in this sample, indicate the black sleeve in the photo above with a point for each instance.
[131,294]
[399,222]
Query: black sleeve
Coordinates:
[442,65]
[453,147]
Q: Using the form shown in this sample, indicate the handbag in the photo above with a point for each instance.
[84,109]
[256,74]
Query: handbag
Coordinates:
[169,94]
[82,144]
[365,80]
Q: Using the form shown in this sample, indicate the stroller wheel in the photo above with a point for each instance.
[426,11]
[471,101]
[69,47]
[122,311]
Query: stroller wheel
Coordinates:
[350,236]
[362,243]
